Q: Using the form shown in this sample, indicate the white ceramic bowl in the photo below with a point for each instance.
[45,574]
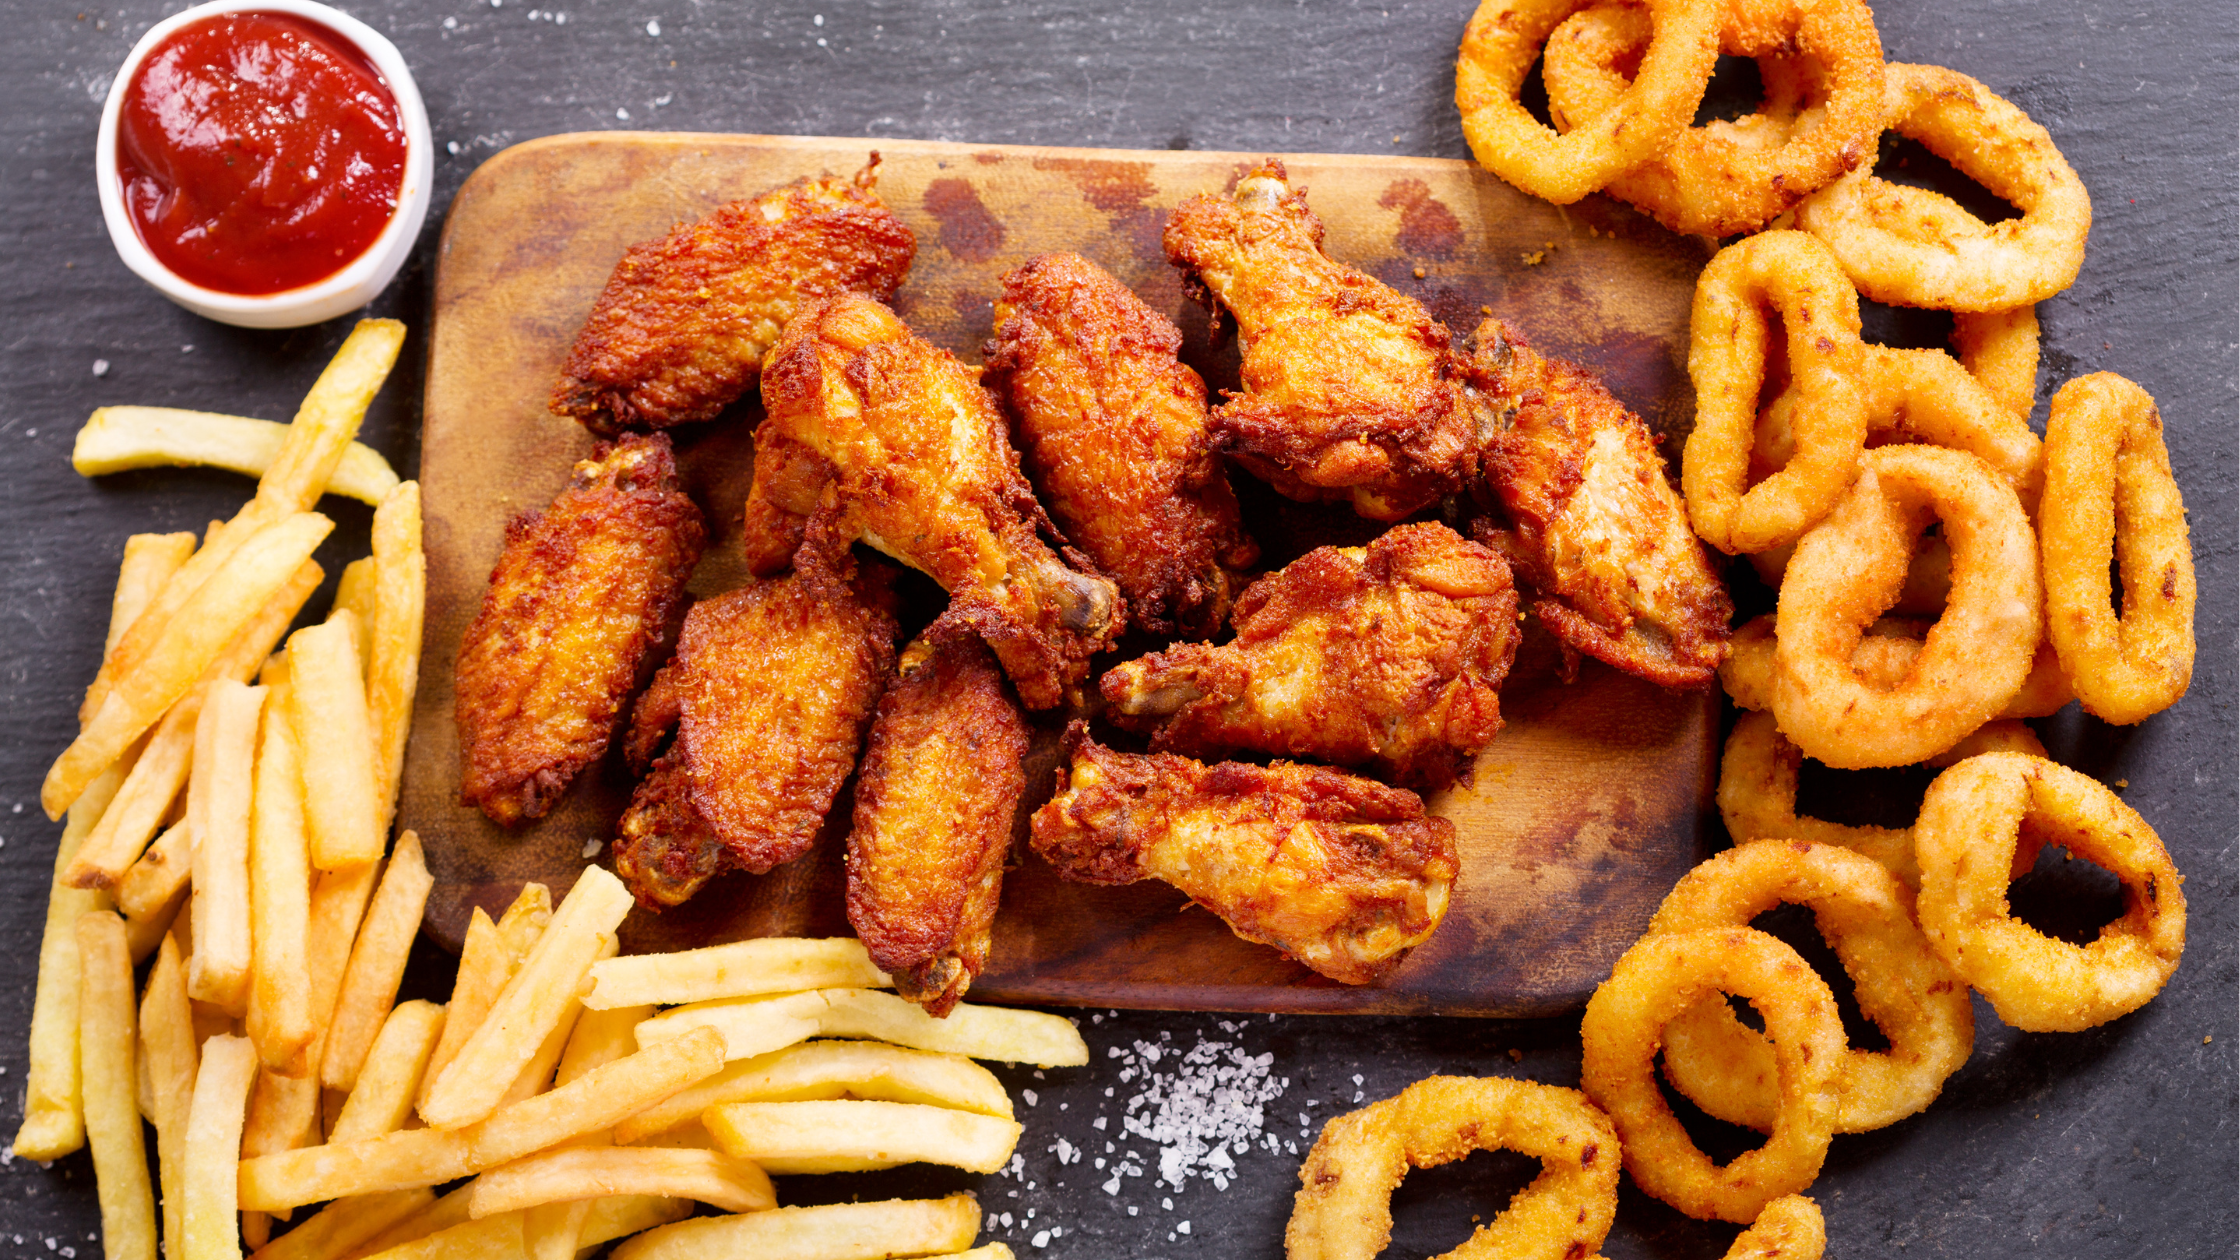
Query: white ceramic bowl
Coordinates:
[345,290]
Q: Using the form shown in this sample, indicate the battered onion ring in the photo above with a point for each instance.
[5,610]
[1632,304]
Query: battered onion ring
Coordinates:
[1850,567]
[1819,311]
[1791,1228]
[1928,575]
[1884,657]
[2110,492]
[1663,975]
[1903,987]
[1968,825]
[2000,349]
[1343,1210]
[1911,247]
[1724,177]
[1498,49]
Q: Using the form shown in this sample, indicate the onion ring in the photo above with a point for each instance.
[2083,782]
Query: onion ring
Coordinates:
[1791,1228]
[1343,1210]
[1928,577]
[2000,349]
[1723,177]
[1911,247]
[1885,655]
[2112,496]
[1850,567]
[1498,49]
[1663,975]
[1903,987]
[1968,825]
[1727,331]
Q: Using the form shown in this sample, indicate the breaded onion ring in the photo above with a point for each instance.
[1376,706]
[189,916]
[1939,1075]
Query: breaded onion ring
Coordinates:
[2000,349]
[1850,567]
[1928,577]
[1867,917]
[1967,828]
[1791,1228]
[2110,495]
[1885,655]
[1343,1210]
[1498,49]
[1799,279]
[1724,177]
[1663,975]
[1912,247]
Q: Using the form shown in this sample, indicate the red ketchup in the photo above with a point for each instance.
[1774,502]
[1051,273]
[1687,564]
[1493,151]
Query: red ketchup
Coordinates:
[259,152]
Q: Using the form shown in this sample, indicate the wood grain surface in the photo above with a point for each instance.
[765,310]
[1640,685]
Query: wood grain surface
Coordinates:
[1581,816]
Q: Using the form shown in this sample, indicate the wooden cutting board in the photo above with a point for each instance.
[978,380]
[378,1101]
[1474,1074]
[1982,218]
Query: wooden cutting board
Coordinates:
[1591,804]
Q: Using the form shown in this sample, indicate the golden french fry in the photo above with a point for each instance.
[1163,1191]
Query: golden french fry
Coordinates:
[143,933]
[554,1231]
[381,1101]
[839,1231]
[149,562]
[538,1073]
[587,1172]
[117,439]
[53,1122]
[492,953]
[497,1238]
[753,1026]
[342,816]
[444,1213]
[532,1004]
[168,1048]
[750,1026]
[280,899]
[851,1135]
[219,795]
[820,1070]
[284,1110]
[108,1037]
[160,876]
[393,636]
[740,969]
[214,1119]
[190,640]
[354,590]
[420,1157]
[551,1231]
[369,983]
[622,1215]
[346,1224]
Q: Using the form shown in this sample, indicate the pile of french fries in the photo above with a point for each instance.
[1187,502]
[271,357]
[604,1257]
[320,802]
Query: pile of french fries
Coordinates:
[229,800]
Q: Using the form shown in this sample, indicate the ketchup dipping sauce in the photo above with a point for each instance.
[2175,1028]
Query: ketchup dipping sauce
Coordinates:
[258,152]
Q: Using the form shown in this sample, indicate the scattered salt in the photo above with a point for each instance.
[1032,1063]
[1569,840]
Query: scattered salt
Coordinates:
[1030,1096]
[591,848]
[1183,1228]
[1042,1238]
[622,114]
[653,28]
[100,367]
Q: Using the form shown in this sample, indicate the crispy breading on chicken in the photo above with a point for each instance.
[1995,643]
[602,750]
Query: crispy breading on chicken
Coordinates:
[771,689]
[1352,390]
[1389,656]
[1591,524]
[1341,873]
[935,802]
[680,331]
[875,434]
[1112,427]
[578,603]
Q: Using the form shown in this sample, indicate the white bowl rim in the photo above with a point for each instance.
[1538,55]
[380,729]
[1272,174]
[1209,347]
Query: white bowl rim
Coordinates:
[376,265]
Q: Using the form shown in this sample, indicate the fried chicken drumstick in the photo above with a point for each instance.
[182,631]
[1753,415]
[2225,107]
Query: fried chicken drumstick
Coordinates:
[875,434]
[1351,390]
[680,331]
[769,693]
[1112,427]
[1342,874]
[1594,528]
[1389,656]
[579,600]
[935,802]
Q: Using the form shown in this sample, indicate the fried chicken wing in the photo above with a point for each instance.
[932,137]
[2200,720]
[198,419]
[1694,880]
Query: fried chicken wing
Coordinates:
[680,330]
[1112,427]
[771,689]
[578,603]
[875,434]
[935,801]
[1351,390]
[1594,527]
[1390,656]
[1342,874]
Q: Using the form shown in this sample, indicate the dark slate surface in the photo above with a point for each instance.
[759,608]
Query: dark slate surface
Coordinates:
[2119,1142]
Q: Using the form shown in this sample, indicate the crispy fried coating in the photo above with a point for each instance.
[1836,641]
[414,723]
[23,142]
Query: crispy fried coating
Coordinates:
[1351,390]
[771,689]
[1112,427]
[1593,527]
[935,801]
[1341,873]
[1389,656]
[580,599]
[680,330]
[875,434]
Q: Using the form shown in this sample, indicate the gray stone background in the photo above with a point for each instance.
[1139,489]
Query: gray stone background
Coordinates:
[2118,1142]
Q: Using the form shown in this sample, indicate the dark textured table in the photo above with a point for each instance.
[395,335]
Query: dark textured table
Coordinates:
[2118,1142]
